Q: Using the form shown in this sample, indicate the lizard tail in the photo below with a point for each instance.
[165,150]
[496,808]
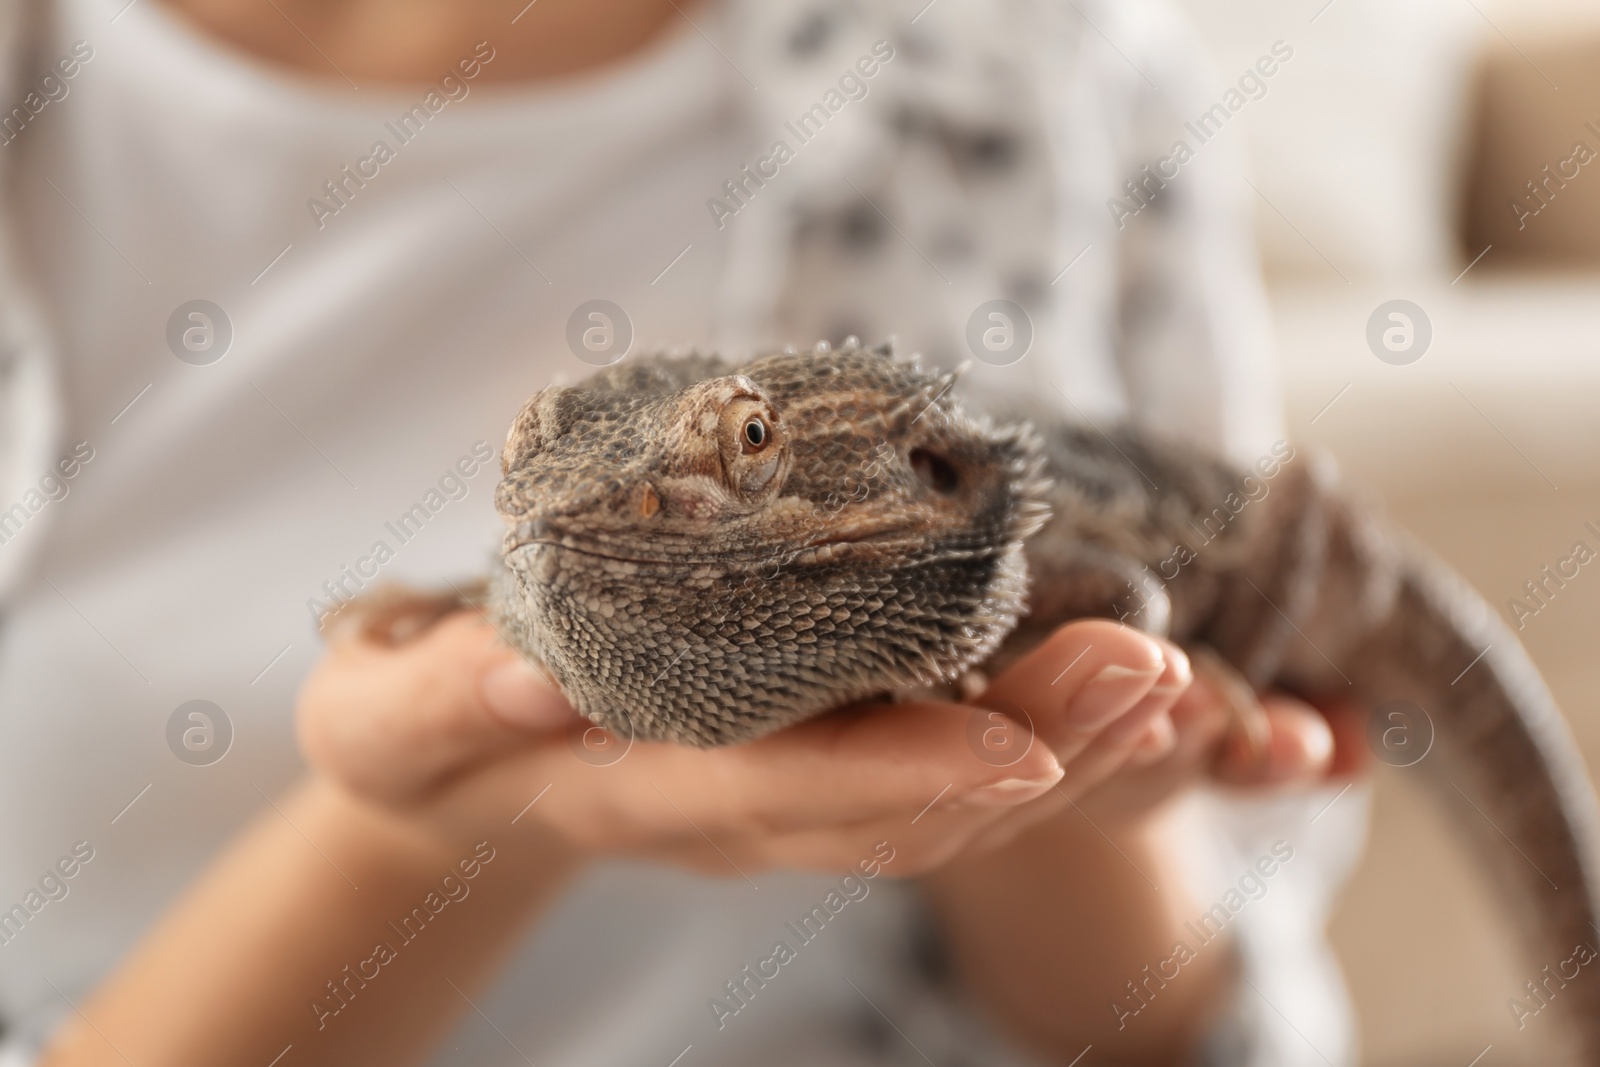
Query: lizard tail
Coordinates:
[1302,584]
[1495,750]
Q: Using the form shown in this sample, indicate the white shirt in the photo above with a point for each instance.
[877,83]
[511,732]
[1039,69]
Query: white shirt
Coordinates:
[372,350]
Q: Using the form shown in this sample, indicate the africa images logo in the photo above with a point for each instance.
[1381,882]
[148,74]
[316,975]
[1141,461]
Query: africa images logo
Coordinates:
[342,188]
[852,85]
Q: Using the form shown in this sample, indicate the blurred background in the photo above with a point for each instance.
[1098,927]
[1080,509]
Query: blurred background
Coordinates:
[1387,158]
[1425,151]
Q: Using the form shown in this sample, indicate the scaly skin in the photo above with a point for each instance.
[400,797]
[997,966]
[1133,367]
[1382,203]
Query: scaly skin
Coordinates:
[685,581]
[683,584]
[1306,589]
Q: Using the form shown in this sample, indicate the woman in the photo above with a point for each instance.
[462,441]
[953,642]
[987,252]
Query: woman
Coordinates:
[283,273]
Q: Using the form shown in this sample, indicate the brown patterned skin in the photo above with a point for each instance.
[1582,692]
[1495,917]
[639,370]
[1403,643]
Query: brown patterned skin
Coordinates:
[687,578]
[1307,589]
[703,555]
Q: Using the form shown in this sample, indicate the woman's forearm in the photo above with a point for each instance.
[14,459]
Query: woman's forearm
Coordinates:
[1049,931]
[326,926]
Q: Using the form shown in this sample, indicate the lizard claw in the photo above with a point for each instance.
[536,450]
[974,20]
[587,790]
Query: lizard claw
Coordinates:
[1248,730]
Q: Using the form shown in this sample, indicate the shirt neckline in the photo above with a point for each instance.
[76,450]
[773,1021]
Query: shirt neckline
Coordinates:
[186,57]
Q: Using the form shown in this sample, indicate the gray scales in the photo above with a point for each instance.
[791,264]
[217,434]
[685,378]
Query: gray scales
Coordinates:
[702,551]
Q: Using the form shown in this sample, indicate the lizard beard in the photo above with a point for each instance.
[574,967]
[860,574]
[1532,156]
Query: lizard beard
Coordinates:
[722,658]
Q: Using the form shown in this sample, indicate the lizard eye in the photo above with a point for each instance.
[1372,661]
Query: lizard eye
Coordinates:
[756,435]
[751,441]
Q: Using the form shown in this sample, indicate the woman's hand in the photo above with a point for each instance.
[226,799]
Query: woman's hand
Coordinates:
[454,735]
[1066,902]
[1189,739]
[449,745]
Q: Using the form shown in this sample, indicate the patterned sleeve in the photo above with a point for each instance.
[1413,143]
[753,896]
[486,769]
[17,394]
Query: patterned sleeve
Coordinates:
[1194,347]
[1192,334]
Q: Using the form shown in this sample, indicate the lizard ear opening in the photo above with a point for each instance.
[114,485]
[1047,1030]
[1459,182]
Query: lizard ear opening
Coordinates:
[934,471]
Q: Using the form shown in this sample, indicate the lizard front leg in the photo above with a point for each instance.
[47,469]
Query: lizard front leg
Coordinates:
[1081,580]
[394,614]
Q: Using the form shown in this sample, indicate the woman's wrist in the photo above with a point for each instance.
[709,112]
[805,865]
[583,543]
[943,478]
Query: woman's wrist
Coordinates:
[406,841]
[291,935]
[1048,929]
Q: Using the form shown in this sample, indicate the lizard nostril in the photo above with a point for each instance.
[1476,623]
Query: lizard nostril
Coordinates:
[934,471]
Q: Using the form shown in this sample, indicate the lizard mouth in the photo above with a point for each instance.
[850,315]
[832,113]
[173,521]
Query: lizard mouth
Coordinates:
[594,553]
[898,539]
[815,551]
[824,547]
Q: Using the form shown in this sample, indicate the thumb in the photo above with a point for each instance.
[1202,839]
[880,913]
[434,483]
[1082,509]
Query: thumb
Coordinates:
[391,720]
[519,695]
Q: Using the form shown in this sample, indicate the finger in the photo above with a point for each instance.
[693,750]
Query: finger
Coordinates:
[1201,717]
[874,762]
[1157,742]
[1200,720]
[889,755]
[914,848]
[922,841]
[1351,754]
[891,847]
[1087,675]
[1113,748]
[391,720]
[1300,747]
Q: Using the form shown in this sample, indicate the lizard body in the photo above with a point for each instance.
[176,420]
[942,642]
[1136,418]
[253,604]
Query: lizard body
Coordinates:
[704,552]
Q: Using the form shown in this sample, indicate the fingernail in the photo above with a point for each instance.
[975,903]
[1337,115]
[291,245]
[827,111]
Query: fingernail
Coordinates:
[1109,693]
[1009,792]
[1319,747]
[1294,761]
[522,695]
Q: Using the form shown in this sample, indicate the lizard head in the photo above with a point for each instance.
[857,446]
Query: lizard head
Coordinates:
[704,553]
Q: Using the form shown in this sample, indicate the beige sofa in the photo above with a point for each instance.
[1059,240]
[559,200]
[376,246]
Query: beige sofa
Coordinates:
[1390,165]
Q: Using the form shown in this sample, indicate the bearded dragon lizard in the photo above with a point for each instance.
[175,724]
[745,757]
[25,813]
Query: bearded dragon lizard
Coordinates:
[704,552]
